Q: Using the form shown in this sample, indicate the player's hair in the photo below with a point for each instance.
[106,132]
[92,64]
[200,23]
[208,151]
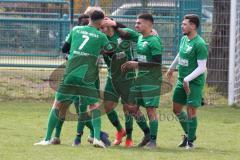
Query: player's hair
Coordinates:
[80,19]
[118,25]
[96,15]
[91,9]
[146,16]
[193,18]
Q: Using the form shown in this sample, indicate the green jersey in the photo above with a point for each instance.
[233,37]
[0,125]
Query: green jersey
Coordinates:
[190,51]
[121,45]
[86,40]
[147,85]
[147,47]
[86,44]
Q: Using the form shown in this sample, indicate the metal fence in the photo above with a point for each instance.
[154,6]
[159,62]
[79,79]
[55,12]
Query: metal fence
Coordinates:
[218,60]
[32,33]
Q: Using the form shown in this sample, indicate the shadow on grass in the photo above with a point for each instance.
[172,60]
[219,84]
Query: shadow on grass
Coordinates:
[174,150]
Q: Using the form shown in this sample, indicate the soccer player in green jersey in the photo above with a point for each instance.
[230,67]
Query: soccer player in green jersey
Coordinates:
[121,39]
[191,60]
[149,50]
[122,82]
[83,20]
[80,75]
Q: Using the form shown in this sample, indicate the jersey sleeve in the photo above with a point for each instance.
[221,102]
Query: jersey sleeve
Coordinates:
[182,40]
[69,38]
[105,43]
[156,46]
[133,34]
[202,52]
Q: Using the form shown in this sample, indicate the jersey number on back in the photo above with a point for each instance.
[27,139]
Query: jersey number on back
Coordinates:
[86,38]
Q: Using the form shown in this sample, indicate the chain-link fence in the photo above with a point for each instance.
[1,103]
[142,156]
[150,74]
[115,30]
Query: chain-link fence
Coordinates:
[218,59]
[32,33]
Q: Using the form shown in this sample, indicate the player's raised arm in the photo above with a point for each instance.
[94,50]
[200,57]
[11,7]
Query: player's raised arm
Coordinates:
[123,31]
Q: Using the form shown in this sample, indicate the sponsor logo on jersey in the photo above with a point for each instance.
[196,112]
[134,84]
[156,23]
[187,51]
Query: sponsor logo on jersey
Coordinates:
[145,44]
[119,40]
[183,62]
[120,55]
[142,58]
[88,33]
[81,53]
[189,49]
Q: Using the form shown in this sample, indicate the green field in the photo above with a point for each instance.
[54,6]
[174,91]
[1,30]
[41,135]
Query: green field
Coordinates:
[23,123]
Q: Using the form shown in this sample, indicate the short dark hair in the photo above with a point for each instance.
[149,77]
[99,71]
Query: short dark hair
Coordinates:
[81,21]
[193,18]
[146,16]
[97,15]
[118,25]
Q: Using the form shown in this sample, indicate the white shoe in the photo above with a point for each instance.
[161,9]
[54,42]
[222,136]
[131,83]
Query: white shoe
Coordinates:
[189,146]
[42,143]
[98,143]
[90,139]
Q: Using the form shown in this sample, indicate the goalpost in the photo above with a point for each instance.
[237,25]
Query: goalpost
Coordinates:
[234,54]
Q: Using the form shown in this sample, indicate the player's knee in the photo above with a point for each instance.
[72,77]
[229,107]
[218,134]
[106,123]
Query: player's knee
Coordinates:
[152,114]
[84,117]
[62,112]
[109,106]
[94,106]
[192,112]
[177,108]
[176,111]
[133,109]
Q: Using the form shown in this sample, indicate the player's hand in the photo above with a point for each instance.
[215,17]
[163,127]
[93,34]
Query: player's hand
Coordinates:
[129,65]
[186,87]
[107,22]
[170,75]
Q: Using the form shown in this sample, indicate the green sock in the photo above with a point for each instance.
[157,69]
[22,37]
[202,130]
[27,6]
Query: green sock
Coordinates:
[80,124]
[192,129]
[52,122]
[90,126]
[59,128]
[153,129]
[142,123]
[183,119]
[129,125]
[96,122]
[82,108]
[79,136]
[113,117]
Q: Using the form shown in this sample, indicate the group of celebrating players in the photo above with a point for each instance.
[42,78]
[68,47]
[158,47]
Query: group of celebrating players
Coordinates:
[136,79]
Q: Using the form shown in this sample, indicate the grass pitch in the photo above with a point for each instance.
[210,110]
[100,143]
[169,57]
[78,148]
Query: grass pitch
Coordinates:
[24,123]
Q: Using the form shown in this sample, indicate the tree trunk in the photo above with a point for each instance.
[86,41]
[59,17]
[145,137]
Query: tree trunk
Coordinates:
[219,47]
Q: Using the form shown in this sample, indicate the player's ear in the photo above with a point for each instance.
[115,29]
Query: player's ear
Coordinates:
[193,26]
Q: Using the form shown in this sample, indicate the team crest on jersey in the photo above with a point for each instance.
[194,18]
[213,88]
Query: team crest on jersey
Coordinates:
[189,48]
[145,44]
[119,41]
